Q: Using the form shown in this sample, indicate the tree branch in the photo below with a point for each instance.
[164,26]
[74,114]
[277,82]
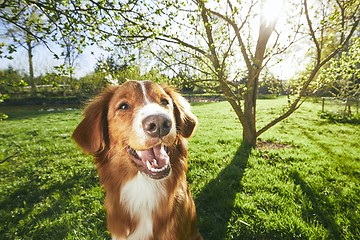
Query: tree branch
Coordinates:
[297,102]
[312,33]
[237,30]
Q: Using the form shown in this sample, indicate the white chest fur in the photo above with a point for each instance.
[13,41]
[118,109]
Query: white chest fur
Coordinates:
[141,196]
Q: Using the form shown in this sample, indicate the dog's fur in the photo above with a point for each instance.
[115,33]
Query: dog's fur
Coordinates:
[137,134]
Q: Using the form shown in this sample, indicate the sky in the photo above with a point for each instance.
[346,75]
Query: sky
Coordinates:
[44,61]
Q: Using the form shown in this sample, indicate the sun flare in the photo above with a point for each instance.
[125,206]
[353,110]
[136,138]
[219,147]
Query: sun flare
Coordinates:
[271,9]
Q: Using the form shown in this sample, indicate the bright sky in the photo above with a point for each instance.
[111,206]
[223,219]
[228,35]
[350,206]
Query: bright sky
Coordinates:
[292,62]
[44,61]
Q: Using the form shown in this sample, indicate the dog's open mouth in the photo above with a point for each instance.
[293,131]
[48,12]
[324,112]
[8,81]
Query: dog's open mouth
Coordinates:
[154,162]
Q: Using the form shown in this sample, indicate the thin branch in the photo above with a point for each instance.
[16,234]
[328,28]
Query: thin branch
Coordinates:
[172,39]
[226,54]
[209,33]
[312,32]
[300,99]
[237,30]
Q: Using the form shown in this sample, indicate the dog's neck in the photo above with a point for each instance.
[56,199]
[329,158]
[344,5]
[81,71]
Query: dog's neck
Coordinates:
[142,196]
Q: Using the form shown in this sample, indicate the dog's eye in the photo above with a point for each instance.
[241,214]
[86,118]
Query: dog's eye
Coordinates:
[124,106]
[164,102]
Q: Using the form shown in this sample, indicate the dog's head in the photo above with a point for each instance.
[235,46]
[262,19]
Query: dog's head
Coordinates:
[140,120]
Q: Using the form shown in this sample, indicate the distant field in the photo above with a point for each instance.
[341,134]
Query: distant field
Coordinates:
[308,190]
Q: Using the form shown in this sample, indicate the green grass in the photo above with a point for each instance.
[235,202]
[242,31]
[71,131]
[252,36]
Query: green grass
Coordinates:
[49,189]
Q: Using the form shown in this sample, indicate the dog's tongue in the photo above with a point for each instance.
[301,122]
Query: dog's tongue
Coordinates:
[156,156]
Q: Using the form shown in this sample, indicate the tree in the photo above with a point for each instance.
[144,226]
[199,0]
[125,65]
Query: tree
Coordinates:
[72,24]
[25,37]
[343,75]
[270,85]
[70,55]
[117,69]
[10,80]
[216,36]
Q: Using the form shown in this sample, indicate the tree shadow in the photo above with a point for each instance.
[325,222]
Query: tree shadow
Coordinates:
[20,112]
[46,212]
[320,209]
[215,203]
[315,141]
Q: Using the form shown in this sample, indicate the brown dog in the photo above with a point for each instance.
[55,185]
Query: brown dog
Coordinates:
[137,134]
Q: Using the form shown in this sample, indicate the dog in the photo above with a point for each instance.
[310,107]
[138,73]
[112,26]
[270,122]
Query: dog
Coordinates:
[137,133]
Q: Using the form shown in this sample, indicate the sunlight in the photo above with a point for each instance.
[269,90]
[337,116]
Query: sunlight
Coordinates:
[271,9]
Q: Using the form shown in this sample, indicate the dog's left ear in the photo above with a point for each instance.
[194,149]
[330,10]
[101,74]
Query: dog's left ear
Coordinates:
[92,132]
[186,121]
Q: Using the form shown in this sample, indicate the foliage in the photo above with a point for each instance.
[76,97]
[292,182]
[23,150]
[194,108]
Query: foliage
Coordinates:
[2,115]
[14,85]
[342,74]
[91,84]
[341,118]
[310,190]
[270,85]
[184,82]
[71,24]
[10,81]
[25,29]
[25,33]
[117,71]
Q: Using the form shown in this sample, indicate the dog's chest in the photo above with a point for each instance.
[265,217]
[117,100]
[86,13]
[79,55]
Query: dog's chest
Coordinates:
[142,197]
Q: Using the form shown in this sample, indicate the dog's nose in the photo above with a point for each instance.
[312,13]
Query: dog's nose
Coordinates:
[157,125]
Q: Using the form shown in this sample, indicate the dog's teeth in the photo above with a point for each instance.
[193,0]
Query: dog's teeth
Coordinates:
[148,165]
[153,169]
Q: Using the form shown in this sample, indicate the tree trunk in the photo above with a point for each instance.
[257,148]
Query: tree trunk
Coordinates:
[249,122]
[249,133]
[31,67]
[249,117]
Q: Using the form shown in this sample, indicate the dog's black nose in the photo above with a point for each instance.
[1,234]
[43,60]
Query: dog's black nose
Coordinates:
[157,125]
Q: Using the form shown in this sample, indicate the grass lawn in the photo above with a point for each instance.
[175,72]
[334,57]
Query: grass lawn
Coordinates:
[307,190]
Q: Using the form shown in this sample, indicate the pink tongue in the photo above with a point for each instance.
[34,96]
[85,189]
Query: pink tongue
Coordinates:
[158,153]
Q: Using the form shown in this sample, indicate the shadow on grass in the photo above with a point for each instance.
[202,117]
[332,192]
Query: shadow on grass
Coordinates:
[38,212]
[320,209]
[32,111]
[316,142]
[215,203]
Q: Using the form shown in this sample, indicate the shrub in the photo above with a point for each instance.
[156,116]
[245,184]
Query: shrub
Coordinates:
[340,118]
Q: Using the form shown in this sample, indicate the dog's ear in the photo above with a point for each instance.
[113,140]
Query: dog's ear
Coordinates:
[92,132]
[186,121]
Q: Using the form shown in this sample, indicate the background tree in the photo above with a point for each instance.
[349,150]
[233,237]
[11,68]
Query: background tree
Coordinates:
[269,84]
[342,75]
[118,69]
[24,34]
[70,54]
[10,79]
[72,24]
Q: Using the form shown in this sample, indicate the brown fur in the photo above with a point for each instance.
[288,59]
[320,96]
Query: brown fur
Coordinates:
[104,134]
